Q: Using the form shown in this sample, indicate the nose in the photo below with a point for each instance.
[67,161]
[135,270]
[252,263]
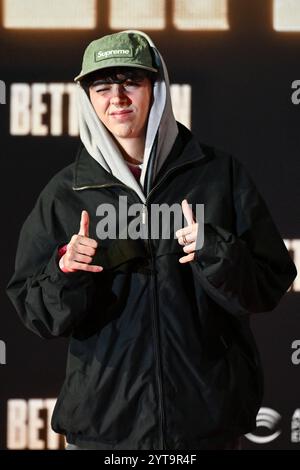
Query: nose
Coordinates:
[118,96]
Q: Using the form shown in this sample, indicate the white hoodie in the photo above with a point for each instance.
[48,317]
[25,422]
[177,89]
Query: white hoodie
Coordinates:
[161,124]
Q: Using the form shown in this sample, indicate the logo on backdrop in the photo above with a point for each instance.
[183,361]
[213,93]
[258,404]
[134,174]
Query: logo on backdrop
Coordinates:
[43,109]
[295,97]
[293,245]
[267,426]
[29,425]
[295,427]
[2,352]
[2,92]
[295,357]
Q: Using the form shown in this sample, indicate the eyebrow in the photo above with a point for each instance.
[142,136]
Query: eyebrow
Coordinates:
[100,82]
[103,81]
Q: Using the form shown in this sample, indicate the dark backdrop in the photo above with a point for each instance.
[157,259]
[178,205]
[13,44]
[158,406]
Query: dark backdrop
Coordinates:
[241,102]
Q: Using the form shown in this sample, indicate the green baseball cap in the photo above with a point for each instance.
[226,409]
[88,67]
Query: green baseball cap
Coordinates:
[117,50]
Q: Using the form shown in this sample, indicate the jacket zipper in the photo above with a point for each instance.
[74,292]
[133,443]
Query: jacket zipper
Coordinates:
[154,281]
[157,354]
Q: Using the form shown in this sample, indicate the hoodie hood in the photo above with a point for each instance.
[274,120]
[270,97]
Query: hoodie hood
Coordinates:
[160,136]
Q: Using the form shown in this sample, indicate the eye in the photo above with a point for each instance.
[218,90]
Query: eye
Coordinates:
[130,85]
[101,88]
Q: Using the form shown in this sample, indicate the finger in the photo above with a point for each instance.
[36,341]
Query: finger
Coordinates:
[191,229]
[66,265]
[78,252]
[84,224]
[80,239]
[82,258]
[187,233]
[73,256]
[183,231]
[187,259]
[86,267]
[85,241]
[187,212]
[85,250]
[183,241]
[190,248]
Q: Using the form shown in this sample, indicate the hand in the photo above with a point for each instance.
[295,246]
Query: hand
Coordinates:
[80,250]
[187,236]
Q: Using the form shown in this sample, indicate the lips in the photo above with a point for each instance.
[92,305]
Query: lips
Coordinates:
[121,112]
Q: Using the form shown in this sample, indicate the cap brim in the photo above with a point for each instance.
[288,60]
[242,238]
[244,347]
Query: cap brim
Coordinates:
[135,66]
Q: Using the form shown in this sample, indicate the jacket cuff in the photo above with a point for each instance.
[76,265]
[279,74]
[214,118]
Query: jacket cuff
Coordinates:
[57,275]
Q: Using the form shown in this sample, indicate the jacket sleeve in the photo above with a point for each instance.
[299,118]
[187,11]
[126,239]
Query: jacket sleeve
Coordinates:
[249,269]
[48,301]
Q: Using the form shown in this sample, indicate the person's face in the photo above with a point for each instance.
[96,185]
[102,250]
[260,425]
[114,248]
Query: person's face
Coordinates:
[123,108]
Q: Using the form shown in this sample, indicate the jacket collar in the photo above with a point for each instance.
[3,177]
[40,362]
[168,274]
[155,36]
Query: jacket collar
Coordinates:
[186,150]
[88,172]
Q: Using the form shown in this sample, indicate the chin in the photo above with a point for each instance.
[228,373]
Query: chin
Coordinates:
[123,133]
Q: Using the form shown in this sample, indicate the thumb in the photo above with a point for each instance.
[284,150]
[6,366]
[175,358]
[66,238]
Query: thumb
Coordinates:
[187,212]
[84,224]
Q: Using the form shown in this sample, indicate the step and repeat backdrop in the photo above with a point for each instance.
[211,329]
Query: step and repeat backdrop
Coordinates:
[235,82]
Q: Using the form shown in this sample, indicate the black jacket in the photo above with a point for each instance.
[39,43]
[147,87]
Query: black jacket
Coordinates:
[161,354]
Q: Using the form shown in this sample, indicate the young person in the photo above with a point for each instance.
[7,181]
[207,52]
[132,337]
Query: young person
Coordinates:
[161,354]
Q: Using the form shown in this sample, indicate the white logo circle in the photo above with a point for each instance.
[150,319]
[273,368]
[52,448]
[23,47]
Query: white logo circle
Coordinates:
[269,419]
